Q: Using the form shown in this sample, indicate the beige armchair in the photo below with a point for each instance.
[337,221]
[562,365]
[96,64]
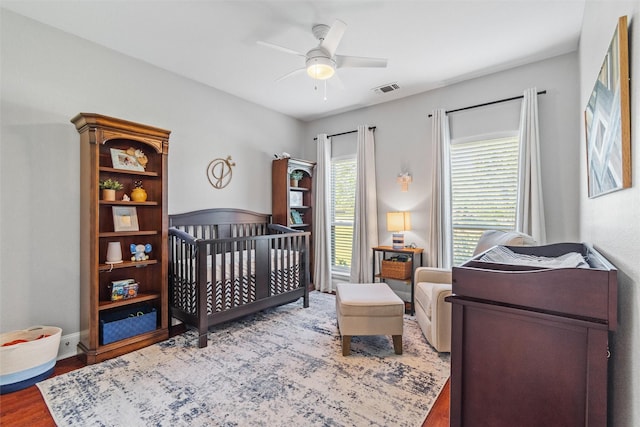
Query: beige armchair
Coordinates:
[432,285]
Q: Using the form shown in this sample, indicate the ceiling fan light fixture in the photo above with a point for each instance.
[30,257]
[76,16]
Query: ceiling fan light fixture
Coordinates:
[321,68]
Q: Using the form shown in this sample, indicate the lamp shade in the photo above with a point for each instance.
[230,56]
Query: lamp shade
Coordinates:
[398,221]
[114,253]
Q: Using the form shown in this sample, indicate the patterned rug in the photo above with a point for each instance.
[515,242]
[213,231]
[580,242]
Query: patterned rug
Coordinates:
[281,367]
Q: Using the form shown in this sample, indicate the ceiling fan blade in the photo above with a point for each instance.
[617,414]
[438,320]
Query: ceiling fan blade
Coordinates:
[280,48]
[290,74]
[361,62]
[333,37]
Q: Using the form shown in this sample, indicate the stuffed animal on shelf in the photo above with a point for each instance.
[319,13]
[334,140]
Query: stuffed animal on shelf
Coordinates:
[140,252]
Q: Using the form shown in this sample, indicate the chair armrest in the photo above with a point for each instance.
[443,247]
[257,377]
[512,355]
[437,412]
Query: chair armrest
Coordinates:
[440,291]
[433,275]
[441,316]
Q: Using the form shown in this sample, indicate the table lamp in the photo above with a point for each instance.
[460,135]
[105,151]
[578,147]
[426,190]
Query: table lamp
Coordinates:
[397,222]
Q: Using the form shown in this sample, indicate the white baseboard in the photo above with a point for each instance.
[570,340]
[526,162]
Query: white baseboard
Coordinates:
[68,346]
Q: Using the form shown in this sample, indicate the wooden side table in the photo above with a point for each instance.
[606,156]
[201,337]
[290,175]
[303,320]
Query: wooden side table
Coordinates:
[411,252]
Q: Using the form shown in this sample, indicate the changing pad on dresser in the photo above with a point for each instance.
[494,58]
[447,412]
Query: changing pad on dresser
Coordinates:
[504,255]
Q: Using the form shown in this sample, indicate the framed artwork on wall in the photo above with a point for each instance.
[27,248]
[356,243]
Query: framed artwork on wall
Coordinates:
[607,120]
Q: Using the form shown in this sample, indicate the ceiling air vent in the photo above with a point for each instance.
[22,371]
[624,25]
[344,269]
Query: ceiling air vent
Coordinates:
[386,88]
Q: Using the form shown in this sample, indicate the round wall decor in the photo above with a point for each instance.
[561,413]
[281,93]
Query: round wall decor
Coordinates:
[219,172]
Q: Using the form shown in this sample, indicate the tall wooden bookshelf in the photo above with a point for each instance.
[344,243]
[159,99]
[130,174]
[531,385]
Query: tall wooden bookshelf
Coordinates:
[288,199]
[100,137]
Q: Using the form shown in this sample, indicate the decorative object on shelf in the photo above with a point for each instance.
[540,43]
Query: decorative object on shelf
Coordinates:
[295,199]
[140,252]
[296,217]
[404,179]
[138,194]
[125,219]
[114,253]
[397,222]
[109,188]
[126,198]
[139,155]
[284,155]
[219,172]
[607,120]
[121,159]
[124,289]
[295,176]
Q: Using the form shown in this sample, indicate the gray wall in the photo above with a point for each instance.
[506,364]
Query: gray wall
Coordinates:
[47,78]
[403,139]
[612,222]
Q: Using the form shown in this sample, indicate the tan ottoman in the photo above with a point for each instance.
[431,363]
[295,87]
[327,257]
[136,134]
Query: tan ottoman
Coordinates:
[368,309]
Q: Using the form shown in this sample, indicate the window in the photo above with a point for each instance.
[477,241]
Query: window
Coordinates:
[343,204]
[484,181]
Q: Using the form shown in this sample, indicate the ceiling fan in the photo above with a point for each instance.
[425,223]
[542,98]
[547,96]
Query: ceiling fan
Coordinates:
[321,61]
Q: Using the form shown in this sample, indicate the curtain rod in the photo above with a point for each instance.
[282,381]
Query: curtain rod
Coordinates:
[373,128]
[542,92]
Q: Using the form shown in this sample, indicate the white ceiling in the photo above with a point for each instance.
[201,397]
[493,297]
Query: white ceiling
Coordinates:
[428,44]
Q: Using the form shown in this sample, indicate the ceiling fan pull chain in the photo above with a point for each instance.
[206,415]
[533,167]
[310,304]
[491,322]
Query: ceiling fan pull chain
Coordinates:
[325,91]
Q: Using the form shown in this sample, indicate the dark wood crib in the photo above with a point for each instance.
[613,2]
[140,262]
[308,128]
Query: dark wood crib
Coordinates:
[228,263]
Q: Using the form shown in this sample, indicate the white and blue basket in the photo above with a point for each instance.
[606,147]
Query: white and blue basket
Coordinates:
[26,363]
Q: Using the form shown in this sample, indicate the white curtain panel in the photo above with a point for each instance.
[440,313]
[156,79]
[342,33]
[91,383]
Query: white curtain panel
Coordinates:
[322,220]
[365,224]
[530,207]
[439,236]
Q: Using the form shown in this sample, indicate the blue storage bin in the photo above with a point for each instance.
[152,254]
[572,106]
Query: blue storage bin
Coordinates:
[120,324]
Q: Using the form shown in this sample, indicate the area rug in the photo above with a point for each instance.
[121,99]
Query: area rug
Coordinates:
[281,367]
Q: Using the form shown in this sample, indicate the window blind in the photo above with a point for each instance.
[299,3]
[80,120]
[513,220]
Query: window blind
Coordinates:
[484,179]
[343,194]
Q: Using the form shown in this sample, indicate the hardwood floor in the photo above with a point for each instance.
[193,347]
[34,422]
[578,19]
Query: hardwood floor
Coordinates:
[439,414]
[27,408]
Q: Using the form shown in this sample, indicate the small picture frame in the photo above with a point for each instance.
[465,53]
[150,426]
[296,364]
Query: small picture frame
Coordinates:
[295,198]
[125,218]
[122,160]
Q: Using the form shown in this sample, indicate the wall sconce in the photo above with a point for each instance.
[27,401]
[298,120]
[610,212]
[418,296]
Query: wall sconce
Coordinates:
[404,179]
[397,222]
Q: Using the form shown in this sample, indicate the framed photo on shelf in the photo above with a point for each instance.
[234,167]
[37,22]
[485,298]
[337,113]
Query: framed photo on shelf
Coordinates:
[125,218]
[122,160]
[295,198]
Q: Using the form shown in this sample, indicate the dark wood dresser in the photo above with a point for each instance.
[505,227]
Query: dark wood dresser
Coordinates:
[530,344]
